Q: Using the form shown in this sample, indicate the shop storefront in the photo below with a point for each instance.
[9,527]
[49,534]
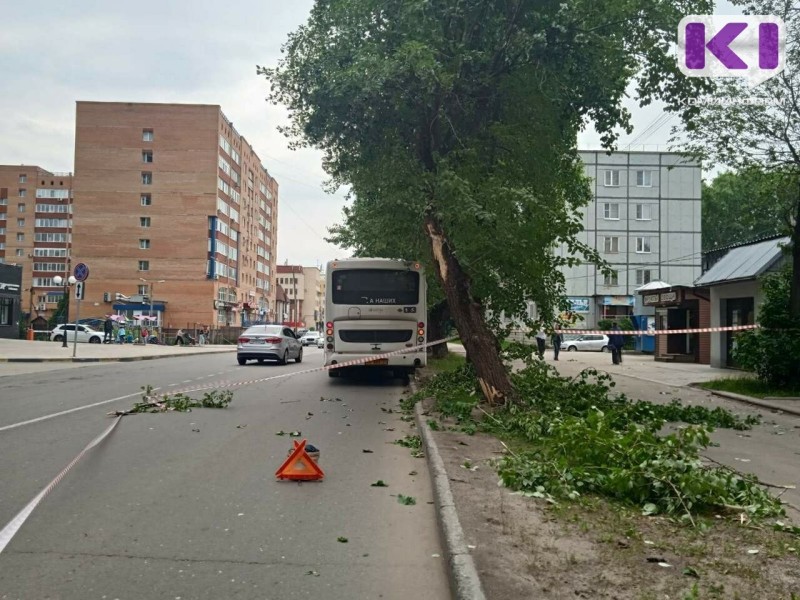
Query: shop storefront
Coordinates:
[679,308]
[10,300]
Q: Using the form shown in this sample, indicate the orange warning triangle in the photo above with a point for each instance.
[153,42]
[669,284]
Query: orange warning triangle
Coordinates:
[299,465]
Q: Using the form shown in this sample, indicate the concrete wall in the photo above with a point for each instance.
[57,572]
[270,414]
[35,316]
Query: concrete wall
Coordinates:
[719,293]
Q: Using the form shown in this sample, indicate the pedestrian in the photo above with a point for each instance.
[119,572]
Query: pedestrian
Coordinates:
[121,333]
[202,337]
[108,330]
[207,333]
[144,334]
[557,339]
[615,343]
[541,338]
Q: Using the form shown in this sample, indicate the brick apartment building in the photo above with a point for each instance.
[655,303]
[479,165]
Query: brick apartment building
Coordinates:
[305,294]
[170,198]
[35,231]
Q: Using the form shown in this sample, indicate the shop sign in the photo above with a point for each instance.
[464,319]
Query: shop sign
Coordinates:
[617,300]
[579,305]
[672,297]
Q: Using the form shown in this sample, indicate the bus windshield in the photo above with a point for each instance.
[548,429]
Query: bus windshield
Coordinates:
[375,286]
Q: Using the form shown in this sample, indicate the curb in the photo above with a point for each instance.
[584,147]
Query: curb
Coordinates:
[108,359]
[464,581]
[750,400]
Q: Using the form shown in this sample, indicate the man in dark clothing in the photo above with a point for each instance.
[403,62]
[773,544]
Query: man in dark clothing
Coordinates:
[615,343]
[108,330]
[556,338]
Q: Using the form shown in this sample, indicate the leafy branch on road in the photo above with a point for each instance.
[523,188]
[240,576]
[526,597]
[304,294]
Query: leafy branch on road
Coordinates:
[153,403]
[574,437]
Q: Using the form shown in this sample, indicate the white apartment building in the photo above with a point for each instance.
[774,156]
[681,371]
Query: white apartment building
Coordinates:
[645,221]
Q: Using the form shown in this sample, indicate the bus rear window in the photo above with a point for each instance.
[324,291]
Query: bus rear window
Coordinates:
[374,286]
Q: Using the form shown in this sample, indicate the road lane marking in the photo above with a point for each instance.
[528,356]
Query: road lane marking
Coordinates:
[71,410]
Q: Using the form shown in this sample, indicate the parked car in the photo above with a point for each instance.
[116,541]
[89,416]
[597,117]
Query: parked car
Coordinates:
[85,333]
[587,342]
[268,342]
[320,342]
[309,338]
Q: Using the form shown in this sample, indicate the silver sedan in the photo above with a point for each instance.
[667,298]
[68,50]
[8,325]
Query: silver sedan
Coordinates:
[268,342]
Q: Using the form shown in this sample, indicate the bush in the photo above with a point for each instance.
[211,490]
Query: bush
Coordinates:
[773,351]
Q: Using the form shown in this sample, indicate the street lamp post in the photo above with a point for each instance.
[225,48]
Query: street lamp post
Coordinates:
[150,283]
[58,280]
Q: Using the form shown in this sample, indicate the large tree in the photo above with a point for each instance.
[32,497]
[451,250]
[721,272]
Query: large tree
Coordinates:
[769,208]
[461,116]
[761,131]
[364,230]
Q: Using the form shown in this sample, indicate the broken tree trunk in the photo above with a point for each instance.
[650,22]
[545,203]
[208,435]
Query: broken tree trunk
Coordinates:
[481,345]
[438,317]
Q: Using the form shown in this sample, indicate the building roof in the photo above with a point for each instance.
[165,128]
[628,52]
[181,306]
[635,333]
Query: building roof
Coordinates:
[289,268]
[744,262]
[653,285]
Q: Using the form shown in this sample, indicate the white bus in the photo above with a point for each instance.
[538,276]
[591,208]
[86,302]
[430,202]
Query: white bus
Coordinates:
[374,306]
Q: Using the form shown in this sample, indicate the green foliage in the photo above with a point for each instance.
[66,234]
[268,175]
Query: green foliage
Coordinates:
[769,206]
[60,313]
[773,351]
[466,114]
[580,438]
[406,500]
[152,403]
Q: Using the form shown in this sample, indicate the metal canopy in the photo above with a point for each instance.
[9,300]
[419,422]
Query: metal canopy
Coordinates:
[744,262]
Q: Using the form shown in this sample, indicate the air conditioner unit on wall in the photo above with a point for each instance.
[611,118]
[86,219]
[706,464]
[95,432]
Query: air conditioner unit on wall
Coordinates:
[106,296]
[42,307]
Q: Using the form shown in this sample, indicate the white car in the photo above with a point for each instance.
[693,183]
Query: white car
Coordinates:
[268,342]
[320,342]
[586,342]
[85,334]
[309,338]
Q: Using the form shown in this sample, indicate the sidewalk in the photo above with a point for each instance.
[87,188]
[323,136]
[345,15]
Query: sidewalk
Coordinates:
[24,351]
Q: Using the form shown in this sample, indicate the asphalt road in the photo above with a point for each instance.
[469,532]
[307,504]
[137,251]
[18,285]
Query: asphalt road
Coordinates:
[186,505]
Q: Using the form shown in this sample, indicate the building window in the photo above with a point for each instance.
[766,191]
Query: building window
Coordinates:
[20,208]
[643,276]
[147,178]
[612,279]
[644,179]
[611,211]
[23,178]
[144,265]
[142,290]
[20,222]
[611,178]
[23,192]
[146,199]
[144,221]
[147,135]
[643,212]
[144,244]
[643,245]
[147,156]
[611,245]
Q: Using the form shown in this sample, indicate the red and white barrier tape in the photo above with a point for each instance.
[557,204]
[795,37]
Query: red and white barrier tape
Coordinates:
[14,524]
[656,331]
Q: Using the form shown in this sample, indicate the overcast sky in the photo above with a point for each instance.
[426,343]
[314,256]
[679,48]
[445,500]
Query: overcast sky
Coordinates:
[53,54]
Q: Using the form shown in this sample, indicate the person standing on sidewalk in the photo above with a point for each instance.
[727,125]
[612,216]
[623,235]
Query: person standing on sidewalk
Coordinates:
[556,338]
[541,337]
[108,330]
[616,342]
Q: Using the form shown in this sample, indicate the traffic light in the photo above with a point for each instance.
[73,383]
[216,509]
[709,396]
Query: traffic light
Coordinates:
[79,290]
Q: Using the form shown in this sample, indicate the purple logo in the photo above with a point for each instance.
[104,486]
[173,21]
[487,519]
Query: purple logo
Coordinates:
[749,46]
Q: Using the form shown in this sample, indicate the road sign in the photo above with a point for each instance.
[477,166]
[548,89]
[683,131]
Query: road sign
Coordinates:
[79,289]
[81,272]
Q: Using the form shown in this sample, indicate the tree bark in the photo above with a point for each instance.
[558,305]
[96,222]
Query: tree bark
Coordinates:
[794,289]
[438,317]
[481,344]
